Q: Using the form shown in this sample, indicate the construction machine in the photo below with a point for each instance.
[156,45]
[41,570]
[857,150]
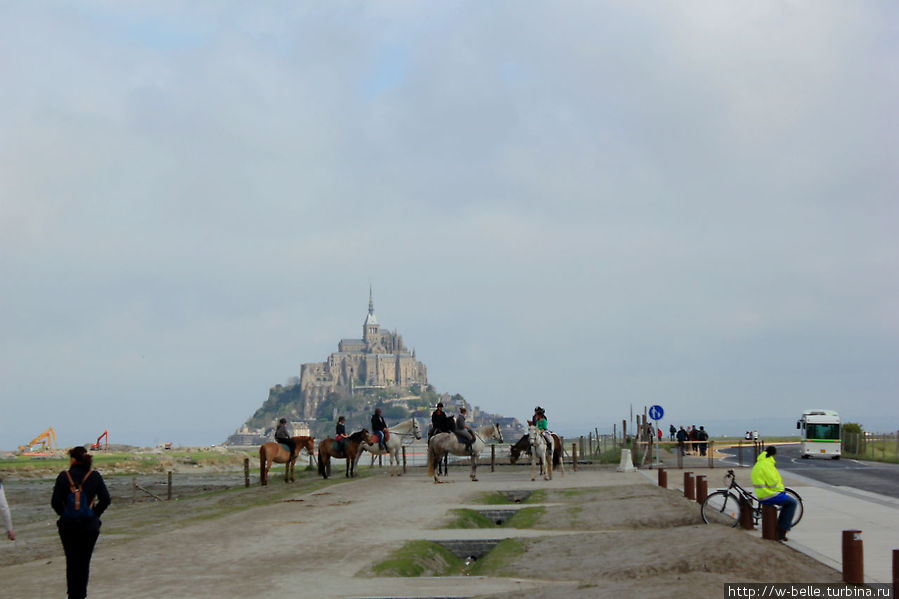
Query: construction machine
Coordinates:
[41,445]
[104,436]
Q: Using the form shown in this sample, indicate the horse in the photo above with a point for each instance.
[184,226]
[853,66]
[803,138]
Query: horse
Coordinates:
[447,427]
[444,443]
[406,428]
[326,451]
[523,446]
[540,451]
[275,452]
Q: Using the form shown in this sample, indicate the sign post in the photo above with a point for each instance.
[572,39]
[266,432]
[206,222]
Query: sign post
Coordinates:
[656,413]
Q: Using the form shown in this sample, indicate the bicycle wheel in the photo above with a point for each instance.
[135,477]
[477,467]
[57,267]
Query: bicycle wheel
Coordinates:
[797,516]
[721,507]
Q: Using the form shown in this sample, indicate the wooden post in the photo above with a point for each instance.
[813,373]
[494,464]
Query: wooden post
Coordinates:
[769,522]
[590,442]
[246,472]
[404,459]
[740,452]
[492,457]
[623,432]
[133,489]
[747,520]
[710,451]
[702,488]
[615,435]
[169,494]
[853,557]
[689,486]
[663,478]
[574,456]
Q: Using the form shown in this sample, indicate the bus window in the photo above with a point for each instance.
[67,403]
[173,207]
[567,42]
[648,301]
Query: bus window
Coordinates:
[822,431]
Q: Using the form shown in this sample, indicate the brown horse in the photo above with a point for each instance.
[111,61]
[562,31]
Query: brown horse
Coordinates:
[275,452]
[326,451]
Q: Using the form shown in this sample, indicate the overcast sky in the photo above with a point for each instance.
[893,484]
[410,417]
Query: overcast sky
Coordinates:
[582,205]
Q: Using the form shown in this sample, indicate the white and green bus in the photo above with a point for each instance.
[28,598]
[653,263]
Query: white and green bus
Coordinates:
[820,431]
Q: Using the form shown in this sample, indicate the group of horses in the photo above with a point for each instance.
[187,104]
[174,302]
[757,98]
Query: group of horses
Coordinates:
[440,445]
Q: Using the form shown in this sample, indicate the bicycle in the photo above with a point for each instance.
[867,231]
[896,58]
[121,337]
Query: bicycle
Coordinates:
[724,505]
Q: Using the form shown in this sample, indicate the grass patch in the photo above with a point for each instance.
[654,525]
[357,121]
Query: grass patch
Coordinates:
[499,560]
[419,558]
[465,518]
[525,518]
[492,498]
[538,496]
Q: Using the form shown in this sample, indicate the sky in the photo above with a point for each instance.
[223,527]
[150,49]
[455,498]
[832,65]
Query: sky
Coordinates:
[583,205]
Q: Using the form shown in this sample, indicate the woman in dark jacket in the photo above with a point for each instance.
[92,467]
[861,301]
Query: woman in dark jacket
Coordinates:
[79,532]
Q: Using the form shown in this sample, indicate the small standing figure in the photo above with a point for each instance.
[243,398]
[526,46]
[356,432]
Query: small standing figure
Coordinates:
[703,438]
[74,497]
[5,515]
[671,432]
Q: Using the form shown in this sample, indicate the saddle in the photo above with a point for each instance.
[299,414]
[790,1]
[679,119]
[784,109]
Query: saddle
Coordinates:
[339,447]
[286,448]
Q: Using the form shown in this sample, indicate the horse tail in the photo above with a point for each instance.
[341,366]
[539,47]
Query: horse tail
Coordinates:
[262,463]
[432,459]
[557,453]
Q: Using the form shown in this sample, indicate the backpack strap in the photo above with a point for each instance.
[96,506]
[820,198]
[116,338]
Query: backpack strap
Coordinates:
[77,490]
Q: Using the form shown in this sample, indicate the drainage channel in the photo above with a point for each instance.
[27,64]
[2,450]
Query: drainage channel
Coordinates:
[516,496]
[497,516]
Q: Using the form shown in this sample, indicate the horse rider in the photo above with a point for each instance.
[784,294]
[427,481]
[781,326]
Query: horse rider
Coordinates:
[379,429]
[542,425]
[282,436]
[340,433]
[438,421]
[463,430]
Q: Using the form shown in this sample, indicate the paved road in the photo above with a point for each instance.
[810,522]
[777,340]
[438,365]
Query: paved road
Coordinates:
[876,477]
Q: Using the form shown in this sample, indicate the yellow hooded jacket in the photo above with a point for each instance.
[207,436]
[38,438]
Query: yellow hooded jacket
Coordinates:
[766,479]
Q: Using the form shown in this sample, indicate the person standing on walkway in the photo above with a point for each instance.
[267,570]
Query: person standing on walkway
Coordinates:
[769,488]
[703,438]
[5,515]
[74,496]
[671,432]
[681,440]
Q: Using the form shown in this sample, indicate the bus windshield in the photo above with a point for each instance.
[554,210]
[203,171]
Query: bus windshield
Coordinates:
[822,431]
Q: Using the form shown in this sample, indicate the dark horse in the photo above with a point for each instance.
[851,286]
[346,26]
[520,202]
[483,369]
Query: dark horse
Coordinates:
[523,446]
[349,450]
[275,452]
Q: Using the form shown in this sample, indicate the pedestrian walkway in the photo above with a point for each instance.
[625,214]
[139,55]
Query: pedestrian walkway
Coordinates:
[829,510]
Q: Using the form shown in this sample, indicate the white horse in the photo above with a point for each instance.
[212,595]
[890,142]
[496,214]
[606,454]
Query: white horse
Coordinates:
[444,443]
[405,429]
[540,451]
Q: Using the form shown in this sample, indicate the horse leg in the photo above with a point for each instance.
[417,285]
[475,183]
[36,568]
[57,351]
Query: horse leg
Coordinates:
[474,468]
[261,467]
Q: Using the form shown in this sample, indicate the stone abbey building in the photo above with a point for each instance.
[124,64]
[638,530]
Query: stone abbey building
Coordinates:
[377,360]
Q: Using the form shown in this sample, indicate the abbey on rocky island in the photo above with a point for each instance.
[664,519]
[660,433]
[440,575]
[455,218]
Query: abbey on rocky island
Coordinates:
[377,360]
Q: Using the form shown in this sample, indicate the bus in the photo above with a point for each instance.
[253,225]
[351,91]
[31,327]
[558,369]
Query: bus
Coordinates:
[820,430]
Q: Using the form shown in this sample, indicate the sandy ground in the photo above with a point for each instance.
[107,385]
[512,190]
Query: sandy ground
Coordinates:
[617,533]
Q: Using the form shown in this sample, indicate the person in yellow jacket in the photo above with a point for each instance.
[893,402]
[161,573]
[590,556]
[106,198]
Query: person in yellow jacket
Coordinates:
[769,488]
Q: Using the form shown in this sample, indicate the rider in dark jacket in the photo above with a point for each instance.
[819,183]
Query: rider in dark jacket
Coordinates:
[379,428]
[439,421]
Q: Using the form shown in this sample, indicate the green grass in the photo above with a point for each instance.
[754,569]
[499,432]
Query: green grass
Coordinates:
[538,496]
[126,462]
[498,561]
[465,518]
[881,450]
[419,558]
[525,518]
[492,498]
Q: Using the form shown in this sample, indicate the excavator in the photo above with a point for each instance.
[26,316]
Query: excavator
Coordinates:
[41,445]
[96,446]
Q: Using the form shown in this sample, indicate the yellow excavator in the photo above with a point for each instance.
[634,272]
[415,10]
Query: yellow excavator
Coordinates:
[41,445]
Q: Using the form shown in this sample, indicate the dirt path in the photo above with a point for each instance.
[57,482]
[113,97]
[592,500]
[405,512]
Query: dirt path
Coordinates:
[314,544]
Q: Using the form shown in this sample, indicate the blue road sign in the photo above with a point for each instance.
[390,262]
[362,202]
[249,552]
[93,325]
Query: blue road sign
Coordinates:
[656,412]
